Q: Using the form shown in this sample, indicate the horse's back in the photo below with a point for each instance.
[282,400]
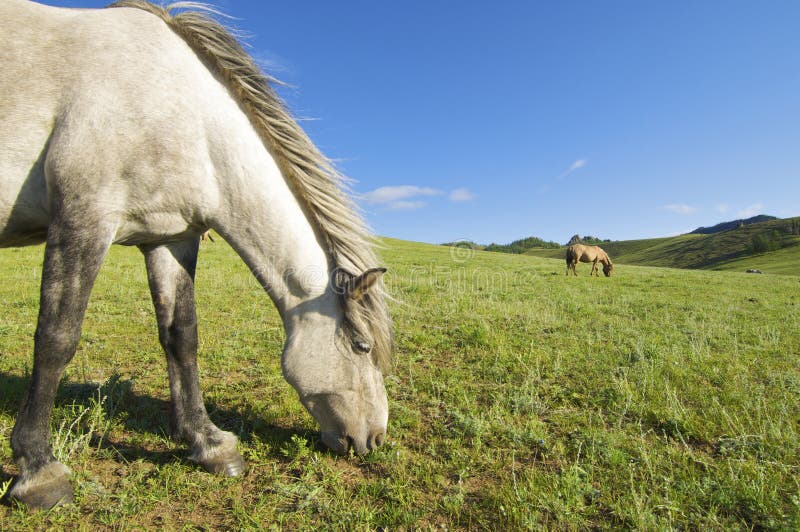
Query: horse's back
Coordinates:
[109,100]
[575,252]
[584,253]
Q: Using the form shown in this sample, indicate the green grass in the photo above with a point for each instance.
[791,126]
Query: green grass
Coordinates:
[784,261]
[520,398]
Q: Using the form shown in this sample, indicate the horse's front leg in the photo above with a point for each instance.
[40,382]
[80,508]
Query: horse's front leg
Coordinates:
[170,274]
[73,254]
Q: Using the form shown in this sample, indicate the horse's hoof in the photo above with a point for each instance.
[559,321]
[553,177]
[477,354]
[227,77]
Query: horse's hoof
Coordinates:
[228,464]
[45,489]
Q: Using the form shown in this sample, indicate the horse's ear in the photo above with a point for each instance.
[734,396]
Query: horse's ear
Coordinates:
[354,287]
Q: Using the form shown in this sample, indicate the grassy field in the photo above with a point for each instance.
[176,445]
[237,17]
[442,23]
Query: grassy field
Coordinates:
[520,398]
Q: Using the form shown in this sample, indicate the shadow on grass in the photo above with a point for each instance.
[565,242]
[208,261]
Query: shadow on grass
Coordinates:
[146,416]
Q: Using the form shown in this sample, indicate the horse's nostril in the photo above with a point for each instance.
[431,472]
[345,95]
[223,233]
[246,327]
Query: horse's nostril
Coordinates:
[375,440]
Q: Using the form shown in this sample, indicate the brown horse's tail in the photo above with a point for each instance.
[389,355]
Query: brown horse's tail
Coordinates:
[572,256]
[571,259]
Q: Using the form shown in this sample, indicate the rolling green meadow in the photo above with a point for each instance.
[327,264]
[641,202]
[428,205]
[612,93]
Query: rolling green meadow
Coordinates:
[520,399]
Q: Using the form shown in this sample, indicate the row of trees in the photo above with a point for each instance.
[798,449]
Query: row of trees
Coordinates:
[764,242]
[521,246]
[775,239]
[588,239]
[524,244]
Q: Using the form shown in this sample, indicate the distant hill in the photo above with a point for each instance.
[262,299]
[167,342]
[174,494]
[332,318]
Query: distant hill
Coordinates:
[772,246]
[733,224]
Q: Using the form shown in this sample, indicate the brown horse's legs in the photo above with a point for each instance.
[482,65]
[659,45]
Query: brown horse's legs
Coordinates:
[170,274]
[72,258]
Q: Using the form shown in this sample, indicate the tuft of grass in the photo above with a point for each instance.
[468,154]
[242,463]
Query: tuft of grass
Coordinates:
[84,423]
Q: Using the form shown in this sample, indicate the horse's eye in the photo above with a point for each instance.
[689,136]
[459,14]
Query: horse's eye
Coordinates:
[362,347]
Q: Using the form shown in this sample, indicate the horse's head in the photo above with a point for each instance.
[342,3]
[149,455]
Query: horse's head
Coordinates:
[607,269]
[328,360]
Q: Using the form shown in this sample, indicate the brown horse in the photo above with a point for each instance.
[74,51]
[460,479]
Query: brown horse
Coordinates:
[594,254]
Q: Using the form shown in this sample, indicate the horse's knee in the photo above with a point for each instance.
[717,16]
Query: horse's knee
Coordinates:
[178,338]
[55,344]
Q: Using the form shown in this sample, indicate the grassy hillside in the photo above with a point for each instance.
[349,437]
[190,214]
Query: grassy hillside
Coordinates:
[784,261]
[520,398]
[728,250]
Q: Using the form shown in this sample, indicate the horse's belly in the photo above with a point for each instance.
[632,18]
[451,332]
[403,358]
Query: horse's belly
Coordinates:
[24,214]
[155,228]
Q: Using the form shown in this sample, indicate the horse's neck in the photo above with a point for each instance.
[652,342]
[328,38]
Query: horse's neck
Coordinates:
[261,218]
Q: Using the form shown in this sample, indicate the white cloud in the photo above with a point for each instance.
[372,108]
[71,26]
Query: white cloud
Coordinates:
[394,194]
[461,194]
[580,163]
[752,210]
[408,197]
[721,208]
[576,165]
[405,205]
[679,208]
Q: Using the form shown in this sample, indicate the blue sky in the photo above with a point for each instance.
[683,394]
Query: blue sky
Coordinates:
[494,121]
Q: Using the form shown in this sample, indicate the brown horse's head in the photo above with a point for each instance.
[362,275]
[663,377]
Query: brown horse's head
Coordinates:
[607,269]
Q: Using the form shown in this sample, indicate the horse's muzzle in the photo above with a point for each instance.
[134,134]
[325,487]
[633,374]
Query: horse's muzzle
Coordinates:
[341,444]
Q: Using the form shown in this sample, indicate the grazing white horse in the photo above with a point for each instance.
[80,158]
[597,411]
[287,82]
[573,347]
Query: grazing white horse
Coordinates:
[145,126]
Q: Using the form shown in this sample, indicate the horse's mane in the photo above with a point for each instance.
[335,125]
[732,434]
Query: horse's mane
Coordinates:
[316,184]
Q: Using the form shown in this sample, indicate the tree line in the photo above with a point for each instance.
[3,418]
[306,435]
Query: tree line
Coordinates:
[523,245]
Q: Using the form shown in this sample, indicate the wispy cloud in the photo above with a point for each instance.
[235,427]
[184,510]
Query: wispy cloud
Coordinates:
[400,197]
[409,197]
[721,208]
[576,165]
[391,194]
[405,205]
[679,208]
[461,194]
[752,210]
